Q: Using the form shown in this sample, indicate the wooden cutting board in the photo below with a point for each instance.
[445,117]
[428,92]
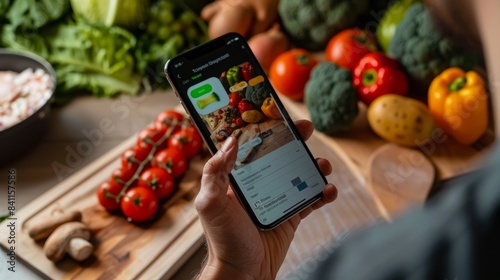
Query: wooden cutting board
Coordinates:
[122,250]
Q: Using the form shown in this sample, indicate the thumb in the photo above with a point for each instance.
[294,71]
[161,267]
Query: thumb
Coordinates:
[215,180]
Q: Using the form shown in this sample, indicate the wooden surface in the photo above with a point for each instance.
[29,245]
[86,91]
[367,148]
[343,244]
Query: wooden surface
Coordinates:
[123,250]
[348,153]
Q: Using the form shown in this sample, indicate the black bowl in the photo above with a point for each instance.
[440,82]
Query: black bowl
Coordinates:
[18,139]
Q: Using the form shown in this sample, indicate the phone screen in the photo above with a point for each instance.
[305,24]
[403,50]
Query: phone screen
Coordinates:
[227,93]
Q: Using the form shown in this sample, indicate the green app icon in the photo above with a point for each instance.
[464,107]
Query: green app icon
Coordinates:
[208,96]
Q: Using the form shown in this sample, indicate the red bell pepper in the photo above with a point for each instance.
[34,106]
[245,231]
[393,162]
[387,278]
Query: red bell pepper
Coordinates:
[247,71]
[234,99]
[377,74]
[244,106]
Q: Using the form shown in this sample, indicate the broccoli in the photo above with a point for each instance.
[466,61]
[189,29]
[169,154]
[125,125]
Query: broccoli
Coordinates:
[422,51]
[331,98]
[311,24]
[257,94]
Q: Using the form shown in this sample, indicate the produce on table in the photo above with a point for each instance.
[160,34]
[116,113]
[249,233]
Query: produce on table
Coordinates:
[401,120]
[44,227]
[233,75]
[422,51]
[310,24]
[257,94]
[234,98]
[270,109]
[125,13]
[268,45]
[251,116]
[158,180]
[459,104]
[376,75]
[247,70]
[85,57]
[103,60]
[331,98]
[71,238]
[244,106]
[187,140]
[348,47]
[290,72]
[28,15]
[139,204]
[150,167]
[390,21]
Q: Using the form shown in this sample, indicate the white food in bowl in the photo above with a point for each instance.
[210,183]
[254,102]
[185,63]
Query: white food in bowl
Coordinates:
[22,94]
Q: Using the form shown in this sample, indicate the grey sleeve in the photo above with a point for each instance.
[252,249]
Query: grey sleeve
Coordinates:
[456,236]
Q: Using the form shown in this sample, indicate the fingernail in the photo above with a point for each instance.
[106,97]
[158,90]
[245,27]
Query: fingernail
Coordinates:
[228,144]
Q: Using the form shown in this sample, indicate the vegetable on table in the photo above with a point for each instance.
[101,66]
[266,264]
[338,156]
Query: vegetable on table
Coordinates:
[244,106]
[459,103]
[30,15]
[234,99]
[331,98]
[270,109]
[390,21]
[310,24]
[247,70]
[234,75]
[42,228]
[376,75]
[257,93]
[139,204]
[290,72]
[251,116]
[401,120]
[348,47]
[423,52]
[71,238]
[268,45]
[125,13]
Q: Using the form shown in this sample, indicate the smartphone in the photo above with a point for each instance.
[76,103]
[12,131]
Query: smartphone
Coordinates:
[226,93]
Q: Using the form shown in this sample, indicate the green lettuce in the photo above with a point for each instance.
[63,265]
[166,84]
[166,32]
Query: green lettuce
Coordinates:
[34,14]
[85,57]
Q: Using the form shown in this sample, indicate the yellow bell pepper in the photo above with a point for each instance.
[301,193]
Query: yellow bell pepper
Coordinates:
[270,109]
[459,104]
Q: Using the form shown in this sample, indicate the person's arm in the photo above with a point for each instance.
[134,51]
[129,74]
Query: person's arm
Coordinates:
[456,236]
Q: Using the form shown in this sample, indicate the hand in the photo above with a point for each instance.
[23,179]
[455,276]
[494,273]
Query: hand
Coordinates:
[245,17]
[236,248]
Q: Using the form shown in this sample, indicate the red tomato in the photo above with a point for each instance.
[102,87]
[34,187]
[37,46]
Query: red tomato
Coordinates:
[234,98]
[107,194]
[132,157]
[122,175]
[172,160]
[167,118]
[290,71]
[139,204]
[238,121]
[150,137]
[187,140]
[159,180]
[348,47]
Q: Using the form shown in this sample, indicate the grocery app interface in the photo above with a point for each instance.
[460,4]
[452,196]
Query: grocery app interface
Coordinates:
[232,98]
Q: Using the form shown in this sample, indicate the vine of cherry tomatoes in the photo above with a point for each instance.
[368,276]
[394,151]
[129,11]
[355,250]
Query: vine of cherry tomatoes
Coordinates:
[149,169]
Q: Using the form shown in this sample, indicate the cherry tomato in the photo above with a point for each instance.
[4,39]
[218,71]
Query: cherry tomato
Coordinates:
[290,71]
[139,204]
[122,175]
[150,137]
[167,118]
[187,140]
[172,160]
[234,98]
[107,193]
[348,47]
[132,157]
[159,180]
[238,121]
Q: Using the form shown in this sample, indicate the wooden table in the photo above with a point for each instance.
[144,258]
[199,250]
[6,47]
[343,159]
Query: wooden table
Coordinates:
[79,120]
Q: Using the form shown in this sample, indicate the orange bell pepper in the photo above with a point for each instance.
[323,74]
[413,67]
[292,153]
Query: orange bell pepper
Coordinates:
[459,104]
[269,109]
